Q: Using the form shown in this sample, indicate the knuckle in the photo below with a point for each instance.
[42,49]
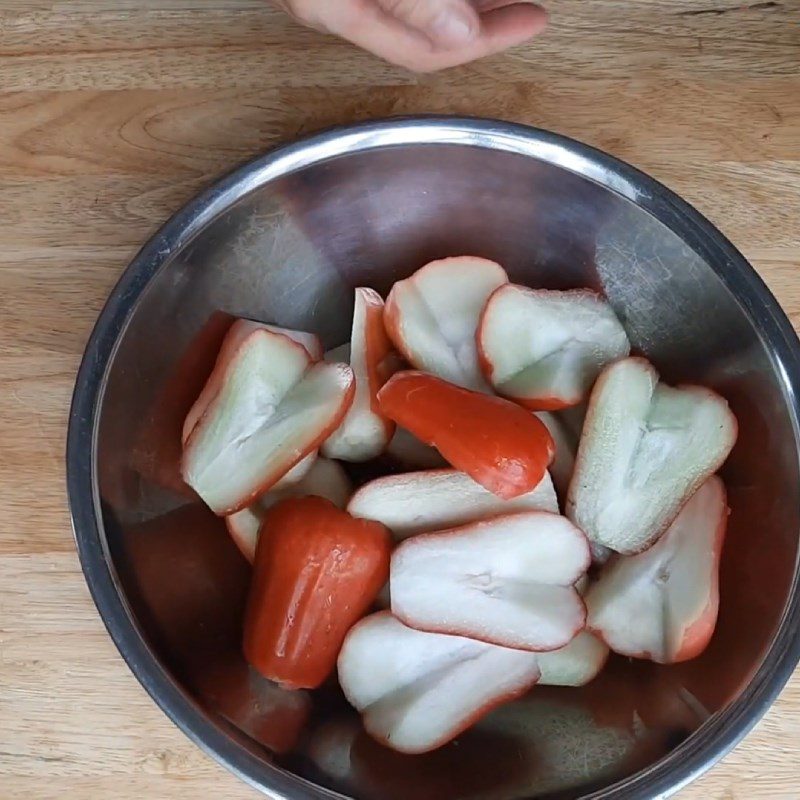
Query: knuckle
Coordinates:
[410,10]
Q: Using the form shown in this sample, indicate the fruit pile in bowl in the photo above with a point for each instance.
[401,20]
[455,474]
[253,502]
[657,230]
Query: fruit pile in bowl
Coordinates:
[548,498]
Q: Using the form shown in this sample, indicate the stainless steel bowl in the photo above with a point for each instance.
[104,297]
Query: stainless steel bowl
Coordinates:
[285,239]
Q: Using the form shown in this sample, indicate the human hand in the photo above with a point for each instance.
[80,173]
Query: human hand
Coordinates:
[423,35]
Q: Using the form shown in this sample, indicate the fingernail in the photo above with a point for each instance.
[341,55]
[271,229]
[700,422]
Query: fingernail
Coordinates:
[451,27]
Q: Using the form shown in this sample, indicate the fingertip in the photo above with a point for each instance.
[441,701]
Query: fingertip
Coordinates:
[541,17]
[514,24]
[454,26]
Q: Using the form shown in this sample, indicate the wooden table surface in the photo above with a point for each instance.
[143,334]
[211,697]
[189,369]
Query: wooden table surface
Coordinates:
[115,112]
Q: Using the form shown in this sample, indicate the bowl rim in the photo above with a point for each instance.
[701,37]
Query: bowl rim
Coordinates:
[717,735]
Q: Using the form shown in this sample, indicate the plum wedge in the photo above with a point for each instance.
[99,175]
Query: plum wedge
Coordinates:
[364,431]
[420,502]
[324,478]
[563,464]
[273,407]
[575,664]
[432,317]
[662,604]
[500,445]
[543,348]
[645,449]
[416,691]
[314,577]
[298,471]
[310,341]
[237,333]
[507,581]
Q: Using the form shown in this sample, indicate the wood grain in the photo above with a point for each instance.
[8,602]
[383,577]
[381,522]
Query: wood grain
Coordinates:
[115,112]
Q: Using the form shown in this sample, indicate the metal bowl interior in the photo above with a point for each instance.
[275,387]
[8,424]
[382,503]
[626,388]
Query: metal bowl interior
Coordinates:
[285,239]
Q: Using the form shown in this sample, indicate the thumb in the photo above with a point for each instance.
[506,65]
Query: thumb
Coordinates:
[446,23]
